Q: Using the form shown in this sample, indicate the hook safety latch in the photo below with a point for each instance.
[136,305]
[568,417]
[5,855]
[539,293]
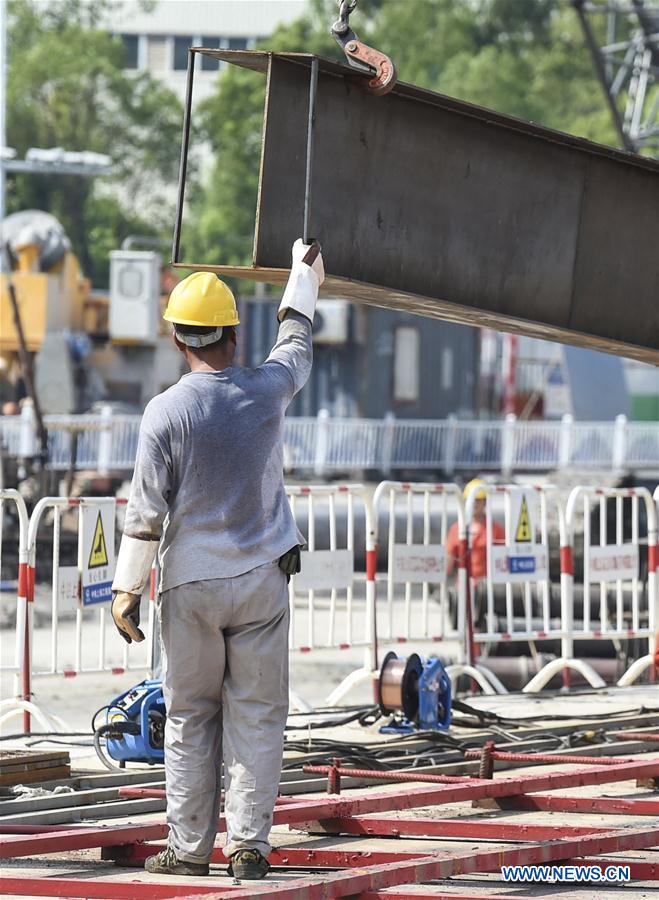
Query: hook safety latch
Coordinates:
[361,57]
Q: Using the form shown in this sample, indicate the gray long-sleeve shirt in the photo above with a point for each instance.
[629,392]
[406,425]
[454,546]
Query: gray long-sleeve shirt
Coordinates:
[209,468]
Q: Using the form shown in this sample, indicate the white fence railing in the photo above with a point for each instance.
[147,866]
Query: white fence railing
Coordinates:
[107,442]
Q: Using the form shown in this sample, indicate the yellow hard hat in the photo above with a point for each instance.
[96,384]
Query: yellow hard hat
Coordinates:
[472,486]
[202,299]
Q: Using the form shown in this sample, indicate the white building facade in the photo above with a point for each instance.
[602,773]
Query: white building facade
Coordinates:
[158,41]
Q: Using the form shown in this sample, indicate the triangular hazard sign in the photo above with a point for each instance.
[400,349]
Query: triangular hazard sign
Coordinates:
[98,555]
[523,533]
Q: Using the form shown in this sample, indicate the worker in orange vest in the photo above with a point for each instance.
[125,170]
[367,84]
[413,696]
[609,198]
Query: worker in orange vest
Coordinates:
[477,533]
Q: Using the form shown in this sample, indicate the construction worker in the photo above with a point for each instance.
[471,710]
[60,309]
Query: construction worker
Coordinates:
[477,533]
[208,487]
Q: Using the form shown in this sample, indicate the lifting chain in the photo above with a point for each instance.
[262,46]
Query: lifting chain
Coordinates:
[342,24]
[365,59]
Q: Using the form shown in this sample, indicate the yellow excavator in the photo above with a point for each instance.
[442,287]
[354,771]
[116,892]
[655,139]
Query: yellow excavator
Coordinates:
[52,293]
[87,347]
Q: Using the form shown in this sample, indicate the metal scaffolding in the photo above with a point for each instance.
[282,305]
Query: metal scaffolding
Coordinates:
[627,66]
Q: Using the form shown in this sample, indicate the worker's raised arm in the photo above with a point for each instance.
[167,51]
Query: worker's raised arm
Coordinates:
[145,514]
[293,348]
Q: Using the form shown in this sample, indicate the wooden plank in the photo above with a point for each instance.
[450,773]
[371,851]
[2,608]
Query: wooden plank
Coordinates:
[16,757]
[35,777]
[36,766]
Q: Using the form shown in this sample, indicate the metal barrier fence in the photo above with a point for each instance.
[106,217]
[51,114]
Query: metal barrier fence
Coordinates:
[331,605]
[91,651]
[86,648]
[20,667]
[417,560]
[627,606]
[107,442]
[509,570]
[424,549]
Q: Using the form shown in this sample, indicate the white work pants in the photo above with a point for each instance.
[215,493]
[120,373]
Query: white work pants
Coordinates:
[225,681]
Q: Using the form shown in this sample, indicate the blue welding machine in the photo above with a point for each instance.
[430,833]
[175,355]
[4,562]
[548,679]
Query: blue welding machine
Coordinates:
[417,692]
[134,727]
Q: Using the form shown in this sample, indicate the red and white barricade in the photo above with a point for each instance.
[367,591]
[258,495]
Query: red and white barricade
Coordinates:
[417,521]
[618,601]
[653,568]
[426,592]
[516,583]
[653,573]
[21,703]
[627,605]
[76,639]
[331,605]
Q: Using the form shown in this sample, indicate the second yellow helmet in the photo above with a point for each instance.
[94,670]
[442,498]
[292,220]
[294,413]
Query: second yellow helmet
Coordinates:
[202,299]
[477,485]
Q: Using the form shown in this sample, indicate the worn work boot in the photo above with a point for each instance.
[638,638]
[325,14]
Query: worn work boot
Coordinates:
[248,865]
[167,863]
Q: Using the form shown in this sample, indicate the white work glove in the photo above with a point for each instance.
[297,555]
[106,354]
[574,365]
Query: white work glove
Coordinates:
[307,275]
[134,564]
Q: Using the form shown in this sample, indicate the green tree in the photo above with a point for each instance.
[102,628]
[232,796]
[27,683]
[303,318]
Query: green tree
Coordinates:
[522,57]
[67,88]
[219,220]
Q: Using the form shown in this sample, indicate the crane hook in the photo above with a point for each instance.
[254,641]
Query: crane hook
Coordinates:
[366,60]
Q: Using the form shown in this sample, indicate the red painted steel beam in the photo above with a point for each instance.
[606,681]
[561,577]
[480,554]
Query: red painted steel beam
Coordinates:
[413,798]
[290,857]
[463,862]
[80,839]
[38,829]
[434,895]
[468,827]
[331,808]
[608,806]
[639,871]
[99,889]
[326,858]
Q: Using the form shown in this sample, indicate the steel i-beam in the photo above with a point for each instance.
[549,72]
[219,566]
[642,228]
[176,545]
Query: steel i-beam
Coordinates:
[433,206]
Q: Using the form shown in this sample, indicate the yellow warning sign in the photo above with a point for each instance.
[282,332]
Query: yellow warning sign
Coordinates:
[523,533]
[98,555]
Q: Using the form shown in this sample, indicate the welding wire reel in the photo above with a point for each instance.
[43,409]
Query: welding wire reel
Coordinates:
[398,687]
[419,689]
